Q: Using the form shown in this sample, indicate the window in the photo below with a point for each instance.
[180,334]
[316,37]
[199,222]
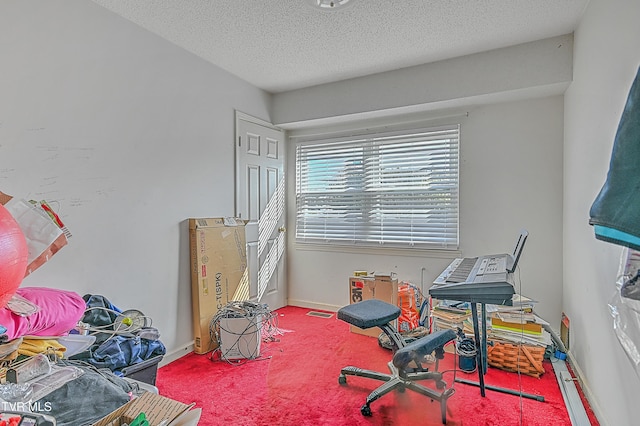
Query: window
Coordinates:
[395,189]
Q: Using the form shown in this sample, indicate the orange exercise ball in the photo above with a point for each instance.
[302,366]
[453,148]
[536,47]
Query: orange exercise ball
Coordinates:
[13,256]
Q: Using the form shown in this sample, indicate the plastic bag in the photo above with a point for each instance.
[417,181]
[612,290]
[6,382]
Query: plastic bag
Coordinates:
[626,310]
[407,301]
[44,237]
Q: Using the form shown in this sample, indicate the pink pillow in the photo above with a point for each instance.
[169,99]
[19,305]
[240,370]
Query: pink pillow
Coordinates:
[59,312]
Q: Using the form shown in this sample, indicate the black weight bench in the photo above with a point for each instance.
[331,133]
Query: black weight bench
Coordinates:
[404,374]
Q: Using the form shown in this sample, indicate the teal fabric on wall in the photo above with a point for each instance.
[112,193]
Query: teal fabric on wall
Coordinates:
[615,213]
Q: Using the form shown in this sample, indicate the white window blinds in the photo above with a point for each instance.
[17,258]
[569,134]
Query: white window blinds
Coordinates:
[395,189]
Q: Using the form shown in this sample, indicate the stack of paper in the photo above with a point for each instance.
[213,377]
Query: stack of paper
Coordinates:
[451,315]
[517,323]
[510,324]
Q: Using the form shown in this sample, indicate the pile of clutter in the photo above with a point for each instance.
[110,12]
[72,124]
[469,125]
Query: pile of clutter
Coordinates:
[52,338]
[119,339]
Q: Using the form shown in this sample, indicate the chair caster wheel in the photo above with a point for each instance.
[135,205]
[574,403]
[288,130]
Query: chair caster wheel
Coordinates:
[342,379]
[366,410]
[440,384]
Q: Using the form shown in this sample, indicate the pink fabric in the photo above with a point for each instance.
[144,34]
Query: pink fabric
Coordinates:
[59,312]
[13,255]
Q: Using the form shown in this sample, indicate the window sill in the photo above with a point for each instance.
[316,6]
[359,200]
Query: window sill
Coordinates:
[387,251]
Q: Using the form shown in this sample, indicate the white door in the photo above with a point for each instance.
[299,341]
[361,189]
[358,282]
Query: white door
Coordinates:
[260,199]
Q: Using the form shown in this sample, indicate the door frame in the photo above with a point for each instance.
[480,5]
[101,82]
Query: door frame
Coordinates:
[243,117]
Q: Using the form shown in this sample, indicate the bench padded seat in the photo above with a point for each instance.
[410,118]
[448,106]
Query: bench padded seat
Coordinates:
[369,313]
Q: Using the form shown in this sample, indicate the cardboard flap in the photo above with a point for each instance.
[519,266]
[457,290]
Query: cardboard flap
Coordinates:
[4,198]
[156,408]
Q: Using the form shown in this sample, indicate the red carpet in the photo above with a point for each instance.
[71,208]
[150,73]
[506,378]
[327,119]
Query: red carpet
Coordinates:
[295,382]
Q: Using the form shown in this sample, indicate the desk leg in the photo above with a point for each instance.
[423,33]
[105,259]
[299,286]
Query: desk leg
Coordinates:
[479,351]
[484,338]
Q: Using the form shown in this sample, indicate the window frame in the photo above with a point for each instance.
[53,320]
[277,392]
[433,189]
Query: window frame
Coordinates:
[380,137]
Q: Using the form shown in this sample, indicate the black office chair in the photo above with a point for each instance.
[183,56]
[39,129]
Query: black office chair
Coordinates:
[376,313]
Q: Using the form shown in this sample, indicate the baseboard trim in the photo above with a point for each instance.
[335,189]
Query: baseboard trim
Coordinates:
[584,385]
[176,354]
[313,305]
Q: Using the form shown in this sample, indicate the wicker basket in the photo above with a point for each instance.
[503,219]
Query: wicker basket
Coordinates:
[516,358]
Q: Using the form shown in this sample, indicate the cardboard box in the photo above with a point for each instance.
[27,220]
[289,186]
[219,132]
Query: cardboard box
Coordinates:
[156,409]
[218,272]
[382,287]
[240,337]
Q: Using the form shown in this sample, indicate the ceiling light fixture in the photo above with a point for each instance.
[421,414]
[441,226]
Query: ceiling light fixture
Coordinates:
[329,4]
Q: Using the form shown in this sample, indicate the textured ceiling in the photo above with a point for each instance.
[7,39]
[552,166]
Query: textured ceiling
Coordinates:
[286,44]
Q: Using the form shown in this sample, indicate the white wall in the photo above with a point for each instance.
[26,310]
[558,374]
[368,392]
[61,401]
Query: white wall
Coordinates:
[511,178]
[606,58]
[128,136]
